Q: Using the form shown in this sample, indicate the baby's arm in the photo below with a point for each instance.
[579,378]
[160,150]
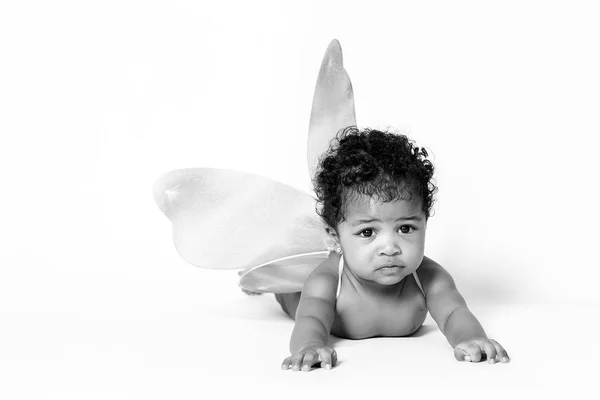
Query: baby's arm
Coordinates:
[314,317]
[449,310]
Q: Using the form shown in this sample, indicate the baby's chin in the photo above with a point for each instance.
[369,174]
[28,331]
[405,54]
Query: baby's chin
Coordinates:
[384,276]
[393,270]
[392,275]
[389,275]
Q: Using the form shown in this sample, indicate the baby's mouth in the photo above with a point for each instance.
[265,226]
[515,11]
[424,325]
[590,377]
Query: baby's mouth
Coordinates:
[390,265]
[390,268]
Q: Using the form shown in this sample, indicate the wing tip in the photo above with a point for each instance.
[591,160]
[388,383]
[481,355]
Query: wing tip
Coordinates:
[166,190]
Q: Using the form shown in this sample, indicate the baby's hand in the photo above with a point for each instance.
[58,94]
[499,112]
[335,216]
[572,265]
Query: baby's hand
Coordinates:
[310,355]
[472,350]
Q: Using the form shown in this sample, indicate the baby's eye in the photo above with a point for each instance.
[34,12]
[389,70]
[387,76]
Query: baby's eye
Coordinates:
[366,233]
[406,229]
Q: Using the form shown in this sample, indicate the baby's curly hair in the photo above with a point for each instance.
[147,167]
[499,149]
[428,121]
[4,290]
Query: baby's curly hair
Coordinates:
[377,164]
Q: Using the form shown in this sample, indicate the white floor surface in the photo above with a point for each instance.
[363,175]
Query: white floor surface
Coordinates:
[187,333]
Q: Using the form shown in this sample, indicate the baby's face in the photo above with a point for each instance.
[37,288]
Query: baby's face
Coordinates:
[383,242]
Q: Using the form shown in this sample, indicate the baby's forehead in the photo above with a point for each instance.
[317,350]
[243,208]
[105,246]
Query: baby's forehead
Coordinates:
[360,206]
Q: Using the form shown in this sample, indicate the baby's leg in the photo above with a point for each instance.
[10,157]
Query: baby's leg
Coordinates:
[289,302]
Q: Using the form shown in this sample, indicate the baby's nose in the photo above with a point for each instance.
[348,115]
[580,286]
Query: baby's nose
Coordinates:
[390,248]
[391,252]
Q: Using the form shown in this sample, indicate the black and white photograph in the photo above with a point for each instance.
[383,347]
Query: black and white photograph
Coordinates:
[292,200]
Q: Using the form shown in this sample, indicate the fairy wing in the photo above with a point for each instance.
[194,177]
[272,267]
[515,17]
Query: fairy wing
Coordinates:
[332,110]
[332,107]
[226,219]
[284,275]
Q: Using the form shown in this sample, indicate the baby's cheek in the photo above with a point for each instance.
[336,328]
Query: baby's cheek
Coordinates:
[416,258]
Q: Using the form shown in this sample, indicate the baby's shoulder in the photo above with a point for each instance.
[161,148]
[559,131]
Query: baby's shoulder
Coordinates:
[329,267]
[323,281]
[431,274]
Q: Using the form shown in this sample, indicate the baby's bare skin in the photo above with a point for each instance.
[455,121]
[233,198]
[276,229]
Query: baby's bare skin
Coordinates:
[359,313]
[383,245]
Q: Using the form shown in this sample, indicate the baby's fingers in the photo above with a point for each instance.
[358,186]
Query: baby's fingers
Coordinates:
[297,361]
[287,363]
[328,359]
[468,351]
[310,358]
[490,351]
[502,354]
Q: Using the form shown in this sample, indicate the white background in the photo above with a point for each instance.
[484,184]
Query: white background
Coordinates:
[99,99]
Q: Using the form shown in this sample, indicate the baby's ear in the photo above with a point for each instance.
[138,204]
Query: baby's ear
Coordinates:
[333,236]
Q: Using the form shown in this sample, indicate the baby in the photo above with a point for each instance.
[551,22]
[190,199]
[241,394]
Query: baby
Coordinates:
[375,194]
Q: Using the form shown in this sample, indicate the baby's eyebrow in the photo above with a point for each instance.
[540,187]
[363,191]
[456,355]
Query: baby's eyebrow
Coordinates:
[411,218]
[364,221]
[368,220]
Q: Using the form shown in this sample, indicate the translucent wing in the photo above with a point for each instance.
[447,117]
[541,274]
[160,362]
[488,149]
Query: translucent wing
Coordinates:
[285,275]
[332,110]
[229,219]
[226,219]
[333,105]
